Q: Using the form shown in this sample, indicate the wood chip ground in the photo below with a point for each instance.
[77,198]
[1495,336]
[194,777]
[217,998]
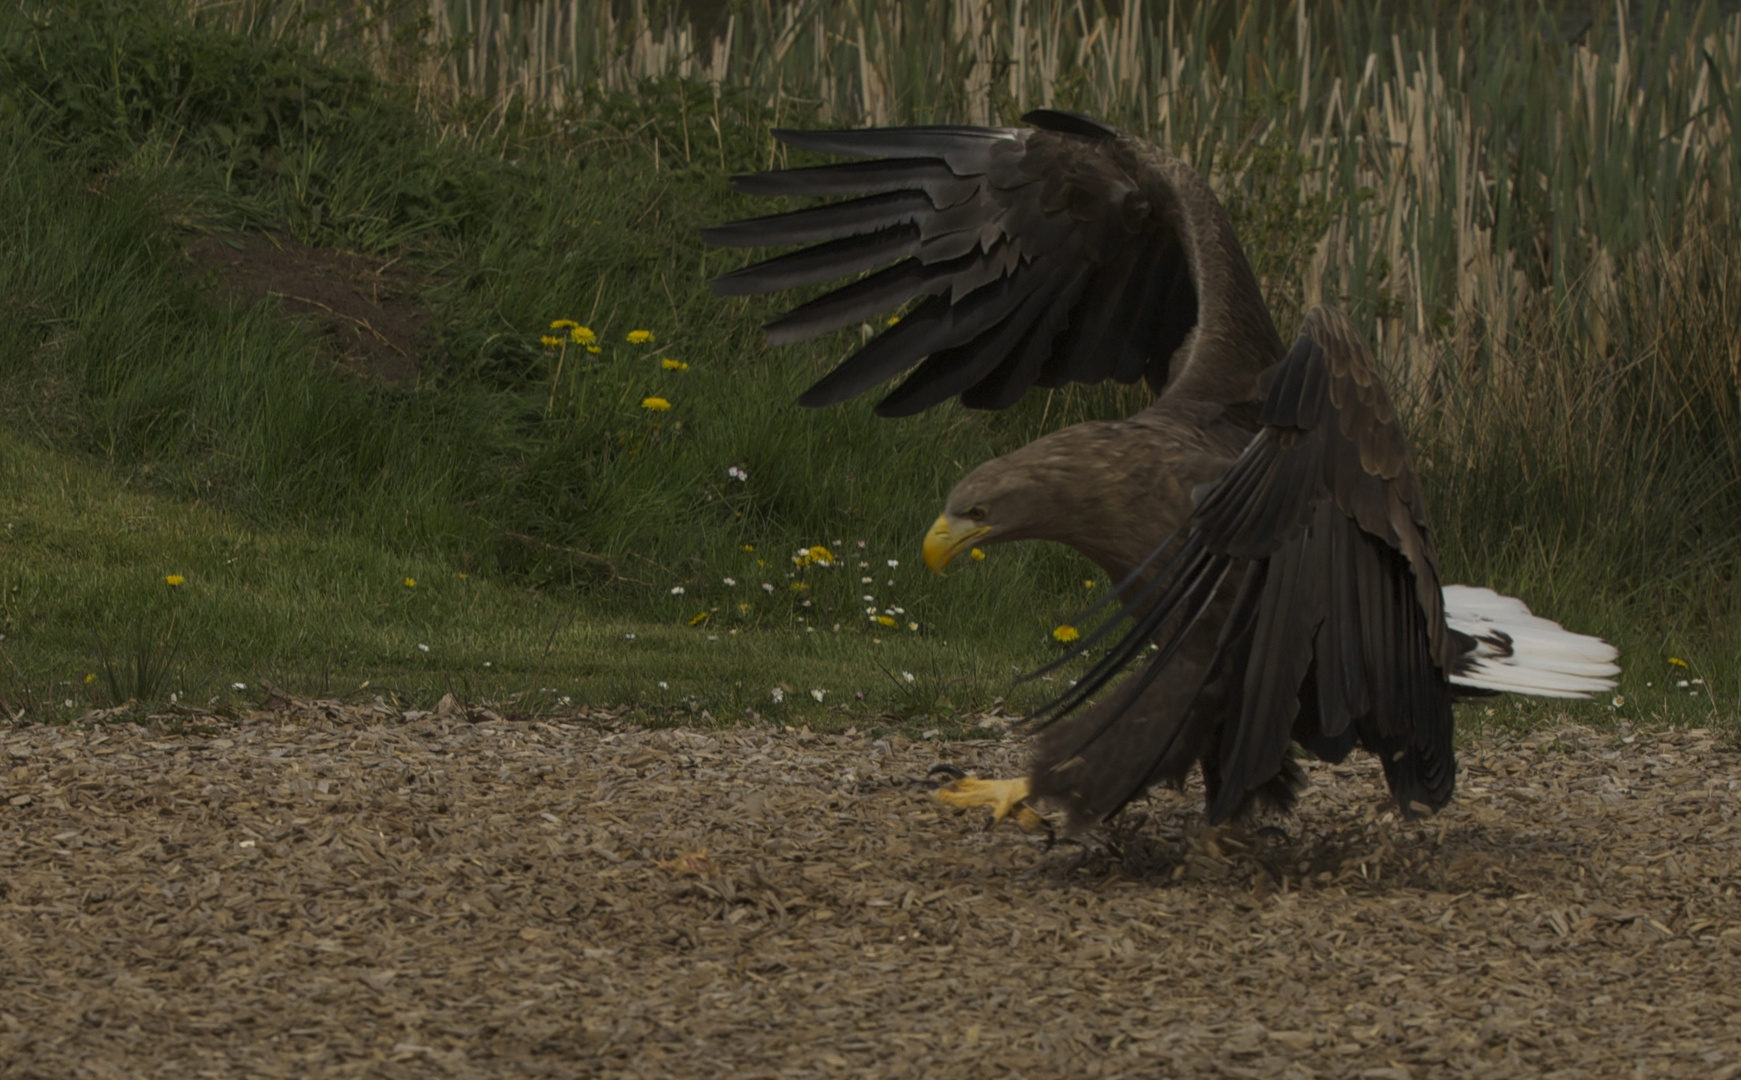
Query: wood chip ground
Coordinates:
[338,892]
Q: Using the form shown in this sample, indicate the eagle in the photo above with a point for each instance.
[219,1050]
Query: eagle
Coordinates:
[1276,569]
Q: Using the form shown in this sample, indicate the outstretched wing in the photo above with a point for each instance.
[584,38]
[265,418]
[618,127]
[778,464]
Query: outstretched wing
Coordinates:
[1064,253]
[1336,632]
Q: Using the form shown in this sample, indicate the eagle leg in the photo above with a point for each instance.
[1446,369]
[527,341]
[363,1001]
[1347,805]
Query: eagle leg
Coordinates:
[1003,796]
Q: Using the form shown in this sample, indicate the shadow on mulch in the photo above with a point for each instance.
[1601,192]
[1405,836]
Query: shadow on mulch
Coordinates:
[364,306]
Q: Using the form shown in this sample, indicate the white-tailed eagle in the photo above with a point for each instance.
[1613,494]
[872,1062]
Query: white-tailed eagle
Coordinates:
[1262,516]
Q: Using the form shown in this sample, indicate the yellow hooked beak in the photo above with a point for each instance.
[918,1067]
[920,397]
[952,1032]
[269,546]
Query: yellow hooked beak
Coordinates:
[949,537]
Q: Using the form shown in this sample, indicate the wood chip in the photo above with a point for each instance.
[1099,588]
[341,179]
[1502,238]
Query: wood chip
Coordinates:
[326,890]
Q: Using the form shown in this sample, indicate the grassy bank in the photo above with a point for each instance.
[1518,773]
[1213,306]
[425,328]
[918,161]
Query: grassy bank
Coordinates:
[108,594]
[1578,428]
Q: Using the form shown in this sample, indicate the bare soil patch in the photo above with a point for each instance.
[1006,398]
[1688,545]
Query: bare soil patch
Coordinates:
[364,306]
[326,891]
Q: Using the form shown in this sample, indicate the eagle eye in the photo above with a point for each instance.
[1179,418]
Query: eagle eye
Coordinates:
[976,513]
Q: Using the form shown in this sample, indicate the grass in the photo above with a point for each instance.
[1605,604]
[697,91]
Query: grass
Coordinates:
[91,619]
[1565,358]
[1457,159]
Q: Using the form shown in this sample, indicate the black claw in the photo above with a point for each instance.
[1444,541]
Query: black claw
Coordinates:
[946,769]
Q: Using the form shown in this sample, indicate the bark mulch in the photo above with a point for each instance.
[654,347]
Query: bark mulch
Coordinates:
[331,891]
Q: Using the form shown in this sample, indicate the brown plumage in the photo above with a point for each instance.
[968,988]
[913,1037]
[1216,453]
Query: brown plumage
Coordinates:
[1262,515]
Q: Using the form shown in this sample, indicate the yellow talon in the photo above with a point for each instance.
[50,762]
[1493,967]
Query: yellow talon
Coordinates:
[1003,796]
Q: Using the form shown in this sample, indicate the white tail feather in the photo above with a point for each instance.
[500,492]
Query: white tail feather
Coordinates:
[1521,653]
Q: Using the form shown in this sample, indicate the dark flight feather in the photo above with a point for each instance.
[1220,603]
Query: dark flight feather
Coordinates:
[875,177]
[873,213]
[821,263]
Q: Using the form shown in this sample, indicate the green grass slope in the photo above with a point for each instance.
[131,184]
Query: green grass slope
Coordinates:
[108,594]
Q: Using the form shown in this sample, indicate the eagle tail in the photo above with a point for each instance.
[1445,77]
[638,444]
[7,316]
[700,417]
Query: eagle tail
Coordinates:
[1506,648]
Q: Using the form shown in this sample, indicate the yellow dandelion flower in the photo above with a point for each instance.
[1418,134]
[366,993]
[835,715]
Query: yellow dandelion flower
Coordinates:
[798,586]
[1677,661]
[563,324]
[173,580]
[550,342]
[893,319]
[592,348]
[745,609]
[411,583]
[640,337]
[1066,634]
[977,555]
[1088,584]
[673,365]
[90,677]
[463,575]
[699,619]
[749,547]
[885,620]
[583,335]
[821,555]
[657,404]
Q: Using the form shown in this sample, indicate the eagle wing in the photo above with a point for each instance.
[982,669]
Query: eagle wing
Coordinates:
[1336,631]
[1067,252]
